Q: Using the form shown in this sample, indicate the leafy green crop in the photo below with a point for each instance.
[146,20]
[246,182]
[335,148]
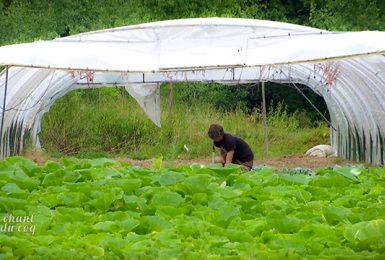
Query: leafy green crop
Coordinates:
[98,208]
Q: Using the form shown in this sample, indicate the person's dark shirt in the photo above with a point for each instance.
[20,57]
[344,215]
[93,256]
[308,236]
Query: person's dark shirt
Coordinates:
[242,151]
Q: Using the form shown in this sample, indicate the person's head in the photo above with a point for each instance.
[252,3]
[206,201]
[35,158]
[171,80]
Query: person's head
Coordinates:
[216,132]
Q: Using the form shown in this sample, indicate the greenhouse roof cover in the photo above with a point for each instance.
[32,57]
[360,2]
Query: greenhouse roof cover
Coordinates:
[346,68]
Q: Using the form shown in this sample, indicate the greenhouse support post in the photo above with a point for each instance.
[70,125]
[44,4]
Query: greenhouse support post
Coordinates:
[3,109]
[265,133]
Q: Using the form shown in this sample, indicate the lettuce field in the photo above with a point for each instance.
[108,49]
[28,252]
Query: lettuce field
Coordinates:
[104,209]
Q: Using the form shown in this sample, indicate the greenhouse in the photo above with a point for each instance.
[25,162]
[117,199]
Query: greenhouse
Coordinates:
[346,68]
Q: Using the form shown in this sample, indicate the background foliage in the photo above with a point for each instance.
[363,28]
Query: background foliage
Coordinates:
[28,20]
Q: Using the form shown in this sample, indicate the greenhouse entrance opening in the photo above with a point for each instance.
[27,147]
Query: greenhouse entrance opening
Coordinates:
[80,119]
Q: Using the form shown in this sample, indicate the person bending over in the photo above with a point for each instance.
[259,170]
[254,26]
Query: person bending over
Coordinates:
[233,149]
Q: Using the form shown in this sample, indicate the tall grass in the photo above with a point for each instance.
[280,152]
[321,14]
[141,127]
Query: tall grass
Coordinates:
[108,122]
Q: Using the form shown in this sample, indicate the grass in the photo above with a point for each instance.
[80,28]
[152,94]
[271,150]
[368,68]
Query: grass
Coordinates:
[107,122]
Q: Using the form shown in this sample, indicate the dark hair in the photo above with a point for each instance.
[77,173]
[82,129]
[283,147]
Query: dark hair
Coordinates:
[215,131]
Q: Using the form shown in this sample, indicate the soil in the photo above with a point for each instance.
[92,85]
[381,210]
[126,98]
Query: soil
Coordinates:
[303,161]
[290,161]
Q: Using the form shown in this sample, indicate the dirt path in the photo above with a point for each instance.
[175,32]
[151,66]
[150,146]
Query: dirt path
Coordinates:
[290,161]
[304,162]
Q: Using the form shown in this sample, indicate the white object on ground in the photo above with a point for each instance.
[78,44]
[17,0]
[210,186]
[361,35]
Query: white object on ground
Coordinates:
[322,150]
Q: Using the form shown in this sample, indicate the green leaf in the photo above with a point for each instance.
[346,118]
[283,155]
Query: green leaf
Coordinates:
[53,178]
[367,233]
[288,242]
[45,240]
[230,192]
[104,173]
[104,200]
[283,223]
[199,198]
[156,223]
[18,177]
[24,251]
[335,215]
[167,198]
[128,224]
[49,200]
[72,176]
[253,226]
[196,166]
[73,214]
[127,185]
[85,174]
[18,162]
[158,163]
[73,199]
[296,178]
[228,211]
[331,180]
[169,178]
[169,211]
[106,226]
[135,202]
[101,162]
[225,209]
[348,172]
[224,171]
[198,183]
[93,250]
[50,166]
[8,204]
[239,235]
[72,163]
[83,187]
[302,196]
[12,188]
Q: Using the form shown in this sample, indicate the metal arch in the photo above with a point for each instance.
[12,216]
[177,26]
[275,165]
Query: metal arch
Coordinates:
[3,111]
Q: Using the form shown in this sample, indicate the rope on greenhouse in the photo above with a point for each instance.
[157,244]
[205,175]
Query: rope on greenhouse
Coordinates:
[311,103]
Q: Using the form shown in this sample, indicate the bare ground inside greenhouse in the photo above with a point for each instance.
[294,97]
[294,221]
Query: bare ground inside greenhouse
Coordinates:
[289,161]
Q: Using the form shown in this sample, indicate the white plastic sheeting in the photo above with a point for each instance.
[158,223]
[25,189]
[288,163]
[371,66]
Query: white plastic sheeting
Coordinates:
[148,97]
[192,43]
[347,69]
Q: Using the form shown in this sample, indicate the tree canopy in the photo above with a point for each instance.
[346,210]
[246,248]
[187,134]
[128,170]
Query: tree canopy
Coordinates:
[29,20]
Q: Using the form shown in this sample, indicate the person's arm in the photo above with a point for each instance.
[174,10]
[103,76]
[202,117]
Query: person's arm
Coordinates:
[229,157]
[223,156]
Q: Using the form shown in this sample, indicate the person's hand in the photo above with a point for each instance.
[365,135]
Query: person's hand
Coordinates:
[229,157]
